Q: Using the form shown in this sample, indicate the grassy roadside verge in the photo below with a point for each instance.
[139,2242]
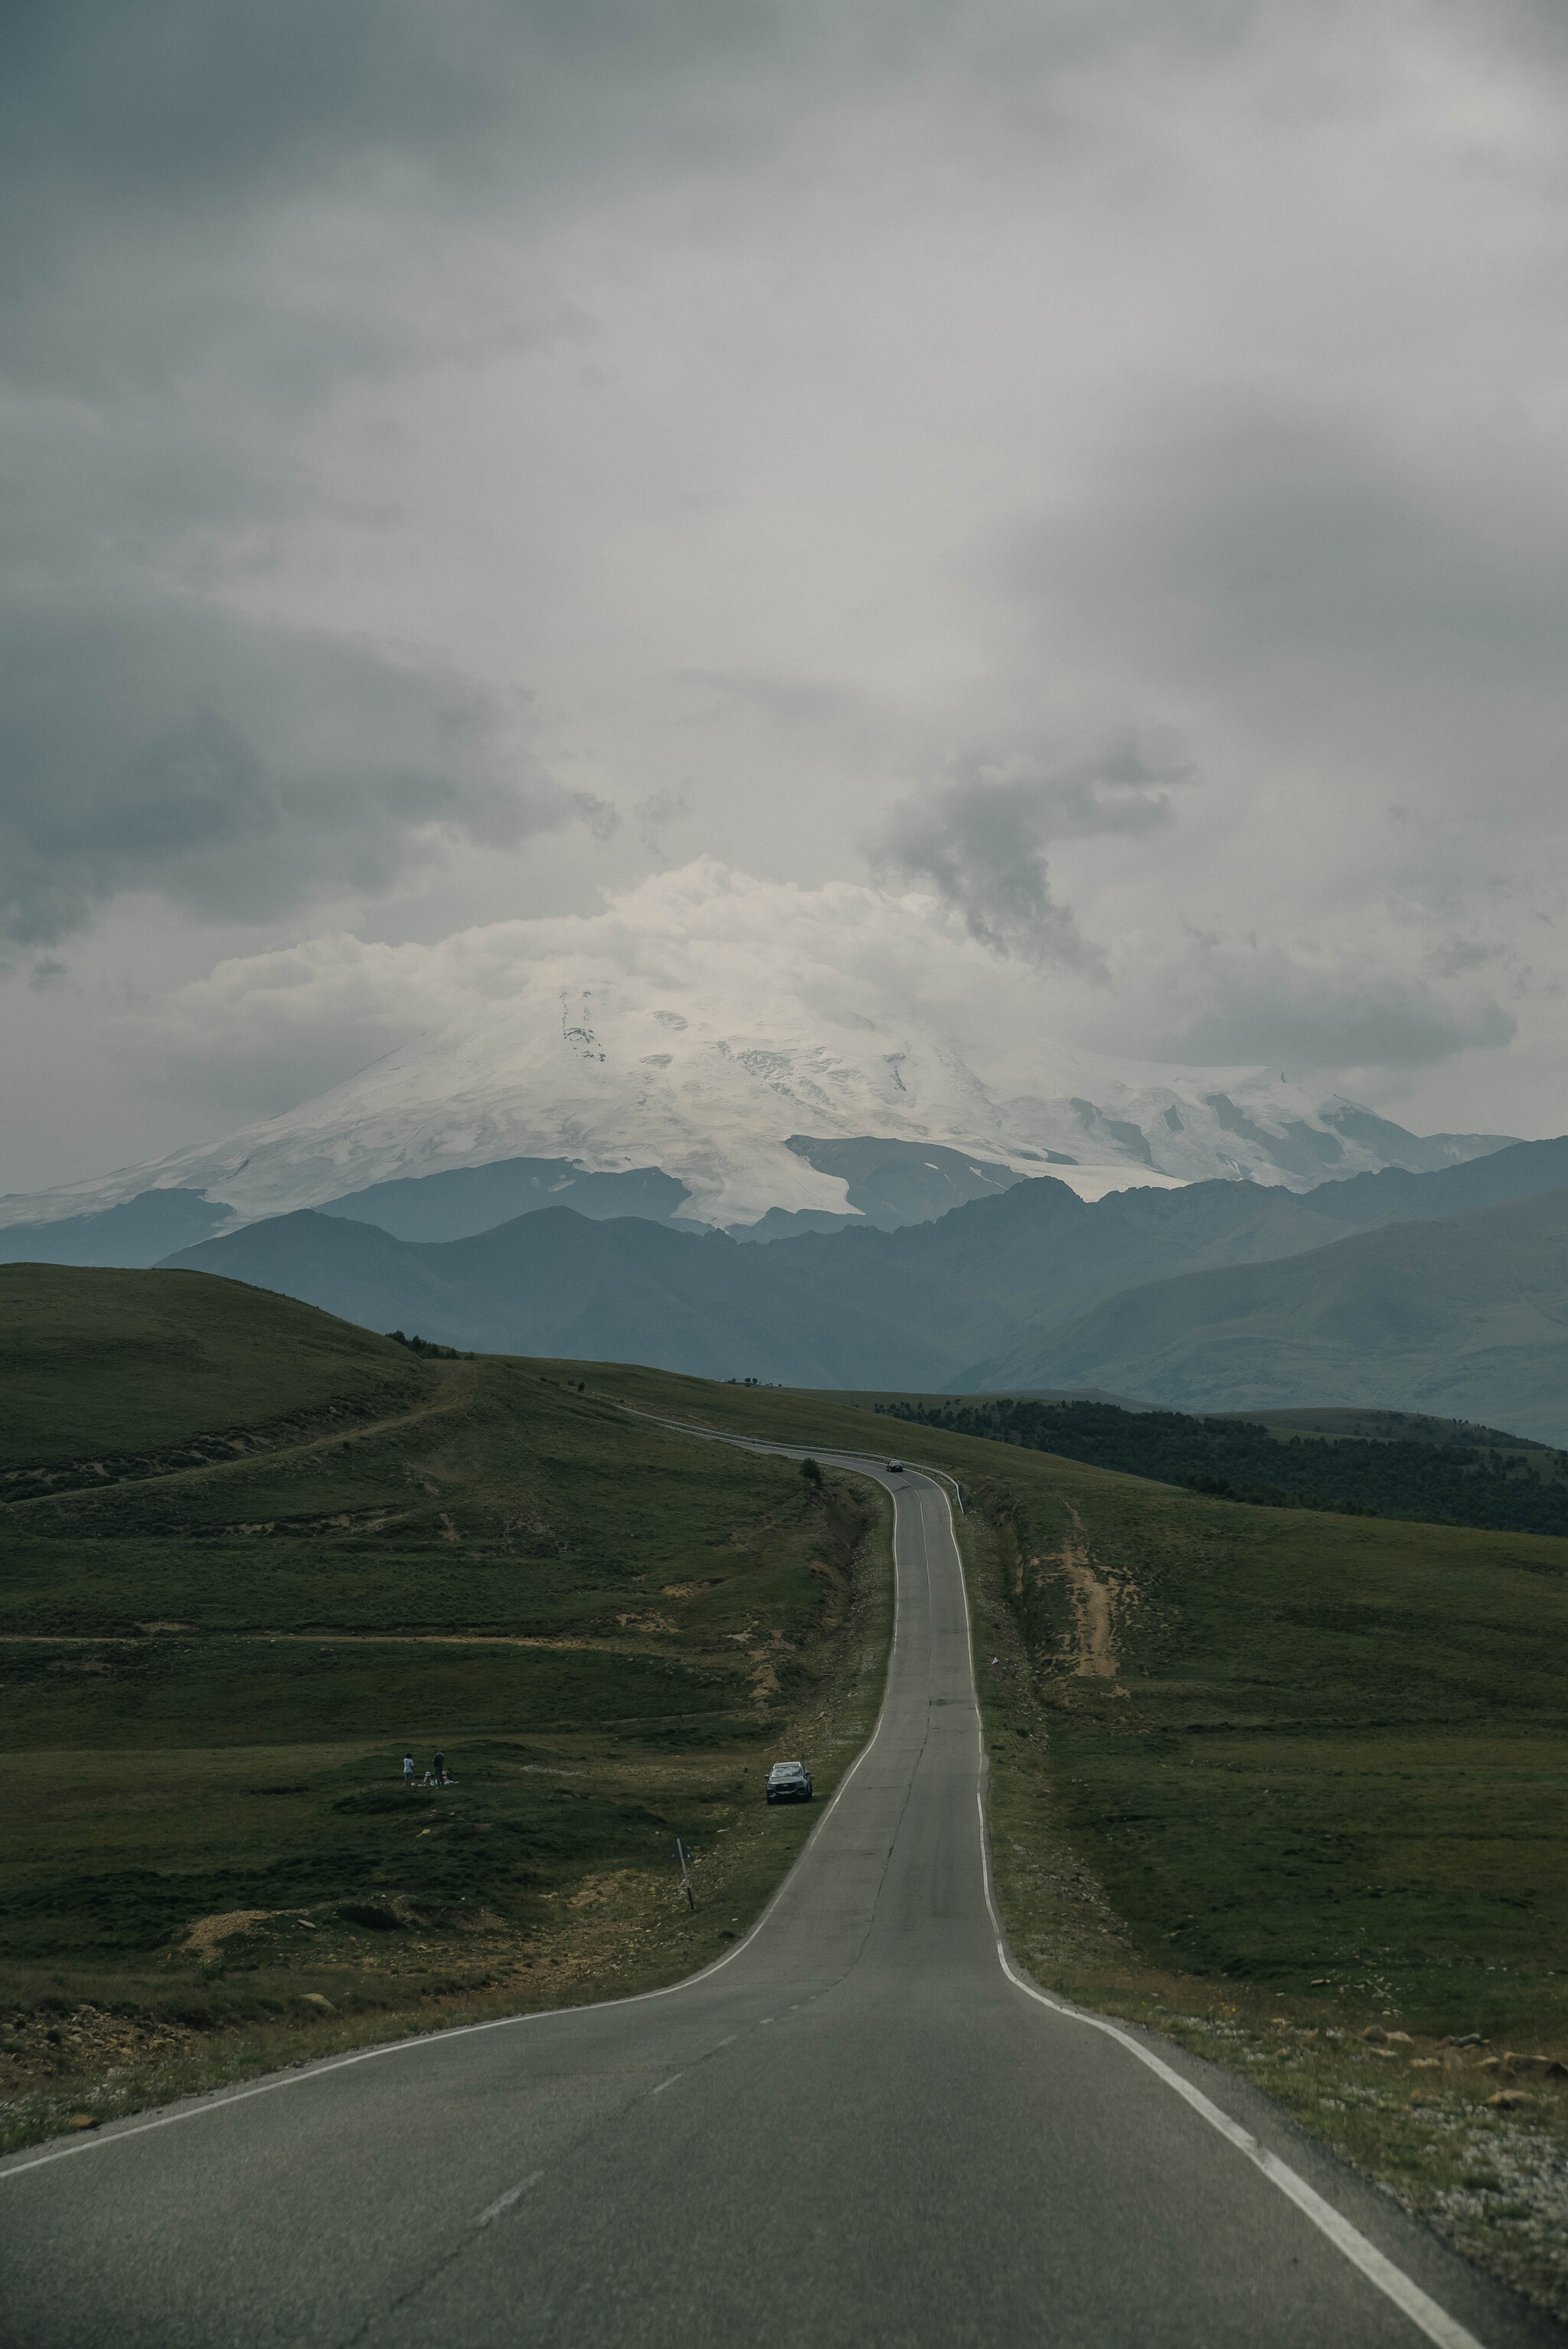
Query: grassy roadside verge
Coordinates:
[1451,2092]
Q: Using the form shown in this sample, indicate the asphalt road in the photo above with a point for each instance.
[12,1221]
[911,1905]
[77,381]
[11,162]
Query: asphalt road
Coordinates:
[857,2130]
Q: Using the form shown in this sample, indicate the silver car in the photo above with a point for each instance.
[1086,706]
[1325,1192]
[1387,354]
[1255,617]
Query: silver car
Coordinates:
[788,1782]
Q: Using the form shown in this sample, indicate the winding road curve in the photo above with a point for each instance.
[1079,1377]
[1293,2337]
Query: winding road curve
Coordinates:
[862,2128]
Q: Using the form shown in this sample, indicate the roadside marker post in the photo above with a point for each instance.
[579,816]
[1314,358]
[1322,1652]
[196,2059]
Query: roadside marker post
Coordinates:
[684,1856]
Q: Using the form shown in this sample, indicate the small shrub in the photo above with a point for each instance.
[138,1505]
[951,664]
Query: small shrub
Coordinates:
[380,1919]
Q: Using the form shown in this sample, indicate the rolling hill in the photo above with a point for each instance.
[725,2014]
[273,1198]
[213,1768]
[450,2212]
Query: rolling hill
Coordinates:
[1466,1318]
[292,1551]
[102,1371]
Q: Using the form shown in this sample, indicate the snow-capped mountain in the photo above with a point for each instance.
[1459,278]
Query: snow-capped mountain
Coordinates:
[700,1042]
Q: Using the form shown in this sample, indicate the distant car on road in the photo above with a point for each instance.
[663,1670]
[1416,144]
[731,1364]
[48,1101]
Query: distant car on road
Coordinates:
[895,1467]
[788,1782]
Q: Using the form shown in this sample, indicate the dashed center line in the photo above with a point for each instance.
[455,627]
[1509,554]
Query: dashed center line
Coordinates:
[504,2201]
[669,2083]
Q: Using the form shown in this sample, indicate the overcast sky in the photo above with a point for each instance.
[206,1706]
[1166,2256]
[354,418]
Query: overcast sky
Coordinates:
[1102,466]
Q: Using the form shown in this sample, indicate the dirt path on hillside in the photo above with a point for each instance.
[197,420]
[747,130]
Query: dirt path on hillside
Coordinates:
[1093,1600]
[720,1657]
[352,1433]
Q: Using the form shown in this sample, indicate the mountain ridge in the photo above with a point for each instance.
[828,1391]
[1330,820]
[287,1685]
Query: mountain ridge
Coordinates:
[978,1300]
[1463,1316]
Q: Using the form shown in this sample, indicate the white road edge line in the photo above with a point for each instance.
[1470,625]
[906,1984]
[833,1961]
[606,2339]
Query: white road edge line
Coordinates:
[1423,2313]
[1407,2296]
[545,2015]
[504,2201]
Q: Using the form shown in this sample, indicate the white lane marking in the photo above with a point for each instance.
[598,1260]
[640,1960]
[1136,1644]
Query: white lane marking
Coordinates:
[97,2143]
[1424,2313]
[1406,2295]
[504,2201]
[669,2083]
[767,2018]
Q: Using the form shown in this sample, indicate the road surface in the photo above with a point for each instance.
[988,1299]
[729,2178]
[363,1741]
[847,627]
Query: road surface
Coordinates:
[860,2128]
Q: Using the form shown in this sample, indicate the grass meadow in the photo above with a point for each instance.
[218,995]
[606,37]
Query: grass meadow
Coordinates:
[220,1634]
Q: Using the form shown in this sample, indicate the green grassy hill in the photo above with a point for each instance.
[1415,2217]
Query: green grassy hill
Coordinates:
[277,1552]
[505,1553]
[100,1367]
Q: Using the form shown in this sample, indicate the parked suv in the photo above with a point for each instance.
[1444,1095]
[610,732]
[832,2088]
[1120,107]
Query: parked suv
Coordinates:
[788,1782]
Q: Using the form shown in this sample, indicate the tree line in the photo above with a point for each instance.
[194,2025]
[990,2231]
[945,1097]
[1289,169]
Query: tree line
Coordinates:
[1453,1483]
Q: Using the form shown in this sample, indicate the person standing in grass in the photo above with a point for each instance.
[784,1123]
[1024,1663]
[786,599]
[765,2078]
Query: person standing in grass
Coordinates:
[439,1767]
[408,1771]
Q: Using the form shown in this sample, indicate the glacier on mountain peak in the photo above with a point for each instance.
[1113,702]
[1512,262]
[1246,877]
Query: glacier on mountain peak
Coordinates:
[697,1024]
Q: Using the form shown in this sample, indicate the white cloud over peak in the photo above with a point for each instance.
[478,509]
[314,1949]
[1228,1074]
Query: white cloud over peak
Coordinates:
[746,955]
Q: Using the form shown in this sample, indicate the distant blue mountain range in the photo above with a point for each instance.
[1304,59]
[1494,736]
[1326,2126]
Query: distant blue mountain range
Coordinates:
[1442,1291]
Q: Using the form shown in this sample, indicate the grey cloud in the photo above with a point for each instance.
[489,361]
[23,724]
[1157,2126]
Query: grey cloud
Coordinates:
[116,119]
[217,216]
[1307,539]
[981,837]
[653,816]
[157,140]
[791,700]
[181,304]
[1241,1002]
[603,817]
[167,338]
[148,104]
[1311,575]
[233,767]
[1453,957]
